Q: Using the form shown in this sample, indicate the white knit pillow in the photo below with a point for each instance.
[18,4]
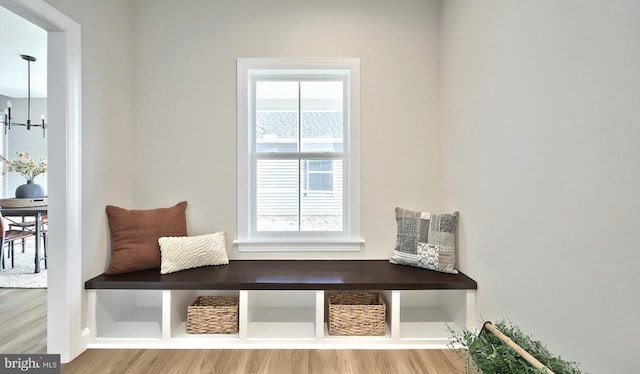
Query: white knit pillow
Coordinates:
[186,252]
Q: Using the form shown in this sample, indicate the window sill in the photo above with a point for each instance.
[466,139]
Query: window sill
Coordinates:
[299,246]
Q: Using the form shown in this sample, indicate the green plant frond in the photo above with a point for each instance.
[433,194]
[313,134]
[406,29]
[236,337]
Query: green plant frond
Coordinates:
[494,357]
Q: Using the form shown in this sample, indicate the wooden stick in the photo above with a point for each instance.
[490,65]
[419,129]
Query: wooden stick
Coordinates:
[524,354]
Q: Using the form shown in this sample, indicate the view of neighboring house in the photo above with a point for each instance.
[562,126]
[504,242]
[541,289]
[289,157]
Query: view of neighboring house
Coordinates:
[304,117]
[321,202]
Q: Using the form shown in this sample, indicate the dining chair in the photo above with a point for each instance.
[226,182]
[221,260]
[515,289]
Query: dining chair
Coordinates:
[29,226]
[8,239]
[45,244]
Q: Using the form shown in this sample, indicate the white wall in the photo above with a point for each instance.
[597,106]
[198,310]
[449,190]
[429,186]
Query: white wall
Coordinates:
[540,135]
[19,139]
[173,67]
[185,95]
[107,118]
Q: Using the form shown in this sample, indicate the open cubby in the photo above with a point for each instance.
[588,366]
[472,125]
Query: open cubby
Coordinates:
[428,314]
[364,339]
[180,301]
[128,314]
[277,315]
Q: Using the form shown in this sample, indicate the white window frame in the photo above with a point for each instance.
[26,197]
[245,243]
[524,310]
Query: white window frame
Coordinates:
[248,238]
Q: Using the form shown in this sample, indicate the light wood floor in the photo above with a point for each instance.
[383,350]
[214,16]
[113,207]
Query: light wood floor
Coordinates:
[266,362]
[23,320]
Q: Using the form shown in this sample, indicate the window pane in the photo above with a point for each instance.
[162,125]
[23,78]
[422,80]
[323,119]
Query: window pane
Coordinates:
[320,165]
[321,202]
[322,116]
[276,116]
[321,182]
[277,195]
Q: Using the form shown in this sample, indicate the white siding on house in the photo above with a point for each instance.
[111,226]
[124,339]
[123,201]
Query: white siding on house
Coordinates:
[277,188]
[277,191]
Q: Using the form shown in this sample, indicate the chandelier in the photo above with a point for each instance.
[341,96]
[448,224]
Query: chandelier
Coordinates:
[7,112]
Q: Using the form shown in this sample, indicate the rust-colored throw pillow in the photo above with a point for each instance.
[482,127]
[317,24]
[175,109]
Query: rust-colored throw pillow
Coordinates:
[135,234]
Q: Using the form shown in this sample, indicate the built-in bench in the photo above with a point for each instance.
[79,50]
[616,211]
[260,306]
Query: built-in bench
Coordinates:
[282,304]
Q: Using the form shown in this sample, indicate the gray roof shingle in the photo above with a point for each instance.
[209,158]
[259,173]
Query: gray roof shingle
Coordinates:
[314,124]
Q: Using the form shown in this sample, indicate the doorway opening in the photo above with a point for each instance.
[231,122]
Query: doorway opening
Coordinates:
[64,278]
[23,100]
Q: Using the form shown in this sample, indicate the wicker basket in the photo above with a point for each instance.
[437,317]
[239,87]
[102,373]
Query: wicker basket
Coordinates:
[356,313]
[213,315]
[22,203]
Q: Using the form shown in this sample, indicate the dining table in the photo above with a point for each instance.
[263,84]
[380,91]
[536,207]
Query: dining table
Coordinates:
[33,211]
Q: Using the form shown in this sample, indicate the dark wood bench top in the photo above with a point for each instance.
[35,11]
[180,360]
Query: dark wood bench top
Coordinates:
[289,275]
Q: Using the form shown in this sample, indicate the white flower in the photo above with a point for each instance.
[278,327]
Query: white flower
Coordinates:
[25,166]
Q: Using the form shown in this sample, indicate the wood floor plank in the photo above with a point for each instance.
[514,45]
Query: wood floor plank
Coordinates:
[23,320]
[266,362]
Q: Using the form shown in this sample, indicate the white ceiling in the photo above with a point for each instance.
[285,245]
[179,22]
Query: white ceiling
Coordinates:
[20,37]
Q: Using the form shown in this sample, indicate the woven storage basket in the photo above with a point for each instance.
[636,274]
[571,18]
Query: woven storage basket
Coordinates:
[213,315]
[356,313]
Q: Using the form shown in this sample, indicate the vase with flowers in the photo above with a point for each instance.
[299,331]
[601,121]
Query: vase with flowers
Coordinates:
[29,169]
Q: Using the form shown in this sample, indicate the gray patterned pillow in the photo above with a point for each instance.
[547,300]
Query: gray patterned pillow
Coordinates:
[426,240]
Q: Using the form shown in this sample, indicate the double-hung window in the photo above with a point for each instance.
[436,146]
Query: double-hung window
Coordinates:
[298,155]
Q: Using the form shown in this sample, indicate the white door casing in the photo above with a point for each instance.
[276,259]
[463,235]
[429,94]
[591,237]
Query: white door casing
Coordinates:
[65,292]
